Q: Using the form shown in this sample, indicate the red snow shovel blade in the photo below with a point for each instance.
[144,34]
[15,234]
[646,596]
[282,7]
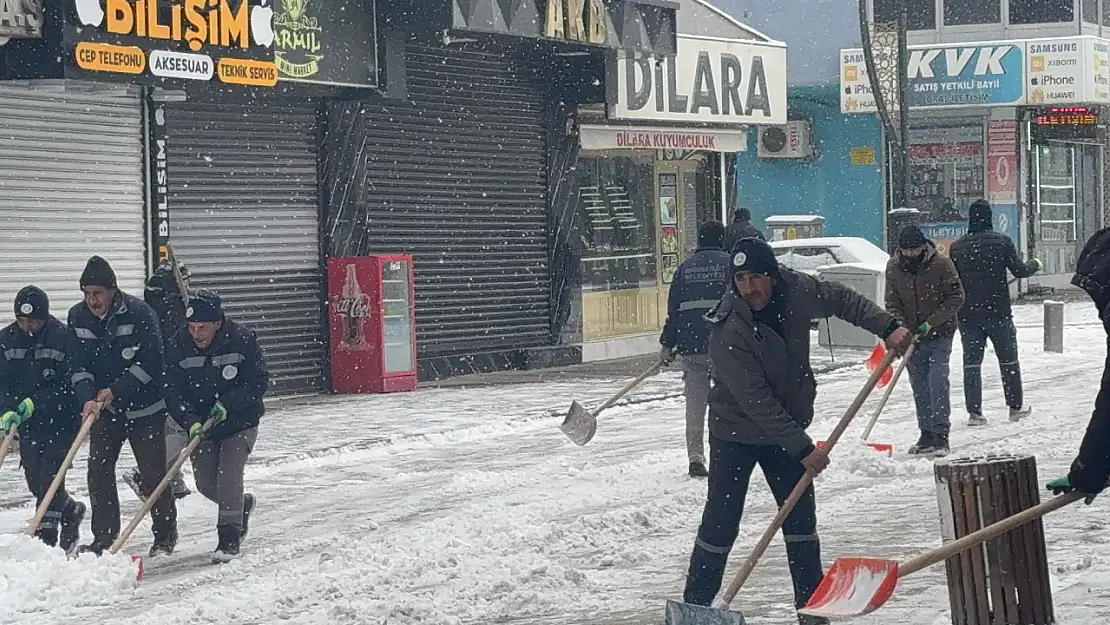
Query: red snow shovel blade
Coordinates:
[874,360]
[853,587]
[138,560]
[884,448]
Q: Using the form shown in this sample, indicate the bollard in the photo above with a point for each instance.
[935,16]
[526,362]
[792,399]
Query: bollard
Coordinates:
[1005,581]
[1054,326]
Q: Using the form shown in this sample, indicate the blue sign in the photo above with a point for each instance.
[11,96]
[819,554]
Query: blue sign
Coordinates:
[975,75]
[1005,221]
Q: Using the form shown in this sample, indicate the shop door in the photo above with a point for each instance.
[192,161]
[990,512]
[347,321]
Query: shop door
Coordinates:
[244,215]
[71,185]
[676,193]
[1068,199]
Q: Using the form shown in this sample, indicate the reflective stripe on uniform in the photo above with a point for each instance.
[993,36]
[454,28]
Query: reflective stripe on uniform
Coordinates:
[192,362]
[799,538]
[227,359]
[155,408]
[81,377]
[15,354]
[711,548]
[698,304]
[140,374]
[84,333]
[126,329]
[51,354]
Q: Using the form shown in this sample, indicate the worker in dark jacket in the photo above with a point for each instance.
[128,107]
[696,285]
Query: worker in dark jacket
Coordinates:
[698,285]
[216,371]
[761,403]
[741,228]
[163,293]
[118,377]
[923,291]
[982,257]
[1090,471]
[36,397]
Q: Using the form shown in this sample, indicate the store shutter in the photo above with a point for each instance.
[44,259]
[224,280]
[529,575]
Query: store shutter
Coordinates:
[458,178]
[71,185]
[243,206]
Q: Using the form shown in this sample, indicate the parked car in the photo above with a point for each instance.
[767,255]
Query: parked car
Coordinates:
[807,255]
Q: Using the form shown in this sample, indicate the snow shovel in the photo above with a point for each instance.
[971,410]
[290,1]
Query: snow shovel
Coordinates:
[7,444]
[82,434]
[580,425]
[148,503]
[688,614]
[857,586]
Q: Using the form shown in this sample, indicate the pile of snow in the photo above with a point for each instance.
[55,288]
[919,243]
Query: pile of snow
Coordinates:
[37,579]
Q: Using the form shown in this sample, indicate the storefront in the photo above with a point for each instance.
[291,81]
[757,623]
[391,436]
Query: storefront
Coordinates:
[1020,123]
[452,166]
[71,172]
[652,166]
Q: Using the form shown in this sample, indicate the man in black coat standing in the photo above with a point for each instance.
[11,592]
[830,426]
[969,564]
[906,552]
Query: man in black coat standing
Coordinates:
[741,228]
[118,376]
[216,371]
[982,258]
[36,397]
[1090,470]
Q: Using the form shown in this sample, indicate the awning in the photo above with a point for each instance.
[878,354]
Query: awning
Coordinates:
[599,137]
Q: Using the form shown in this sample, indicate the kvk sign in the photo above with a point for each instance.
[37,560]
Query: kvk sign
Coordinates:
[967,75]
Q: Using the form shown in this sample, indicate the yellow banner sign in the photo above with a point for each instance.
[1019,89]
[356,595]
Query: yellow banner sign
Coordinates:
[247,72]
[105,57]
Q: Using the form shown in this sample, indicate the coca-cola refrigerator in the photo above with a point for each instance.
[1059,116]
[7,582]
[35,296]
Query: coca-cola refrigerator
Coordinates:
[373,325]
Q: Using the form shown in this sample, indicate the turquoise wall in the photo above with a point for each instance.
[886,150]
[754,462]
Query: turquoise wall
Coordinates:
[849,197]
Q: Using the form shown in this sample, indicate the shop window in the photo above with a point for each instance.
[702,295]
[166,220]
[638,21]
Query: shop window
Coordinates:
[1041,11]
[946,172]
[965,12]
[1090,11]
[1106,12]
[920,14]
[616,220]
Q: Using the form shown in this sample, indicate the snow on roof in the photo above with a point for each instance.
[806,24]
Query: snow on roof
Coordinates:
[778,219]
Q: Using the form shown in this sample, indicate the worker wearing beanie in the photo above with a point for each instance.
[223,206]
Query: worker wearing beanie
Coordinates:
[924,292]
[761,403]
[983,257]
[37,400]
[217,373]
[118,377]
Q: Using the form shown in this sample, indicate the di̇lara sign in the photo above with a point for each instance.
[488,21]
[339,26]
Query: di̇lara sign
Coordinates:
[329,42]
[172,41]
[708,80]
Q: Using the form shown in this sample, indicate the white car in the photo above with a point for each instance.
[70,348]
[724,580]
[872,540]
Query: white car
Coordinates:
[807,255]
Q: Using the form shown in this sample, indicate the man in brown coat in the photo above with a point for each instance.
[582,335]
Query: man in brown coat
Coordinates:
[923,291]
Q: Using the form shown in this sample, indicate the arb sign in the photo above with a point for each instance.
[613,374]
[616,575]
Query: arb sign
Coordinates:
[155,41]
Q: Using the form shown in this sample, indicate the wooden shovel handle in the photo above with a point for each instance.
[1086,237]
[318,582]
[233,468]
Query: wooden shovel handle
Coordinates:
[796,494]
[7,444]
[628,387]
[886,394]
[82,434]
[995,530]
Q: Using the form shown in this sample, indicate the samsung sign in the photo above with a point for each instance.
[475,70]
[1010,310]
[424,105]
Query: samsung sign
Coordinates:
[708,80]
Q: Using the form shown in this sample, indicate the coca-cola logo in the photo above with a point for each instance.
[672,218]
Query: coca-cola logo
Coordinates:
[354,307]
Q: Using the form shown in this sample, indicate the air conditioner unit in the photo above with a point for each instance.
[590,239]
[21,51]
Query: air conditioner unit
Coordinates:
[794,139]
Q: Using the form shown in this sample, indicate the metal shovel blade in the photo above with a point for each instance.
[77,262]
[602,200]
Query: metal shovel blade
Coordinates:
[853,587]
[580,425]
[679,613]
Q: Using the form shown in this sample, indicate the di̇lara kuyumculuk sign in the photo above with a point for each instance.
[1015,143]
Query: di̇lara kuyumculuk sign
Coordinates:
[172,42]
[20,19]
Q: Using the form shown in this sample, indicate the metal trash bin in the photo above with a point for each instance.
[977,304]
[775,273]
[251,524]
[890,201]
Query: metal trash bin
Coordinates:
[790,227]
[866,279]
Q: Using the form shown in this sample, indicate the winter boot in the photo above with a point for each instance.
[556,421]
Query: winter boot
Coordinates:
[71,527]
[180,490]
[806,619]
[48,533]
[228,549]
[975,419]
[1017,414]
[930,445]
[921,444]
[697,469]
[248,507]
[95,548]
[164,545]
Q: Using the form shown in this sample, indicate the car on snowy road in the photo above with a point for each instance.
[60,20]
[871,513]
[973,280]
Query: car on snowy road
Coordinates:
[808,255]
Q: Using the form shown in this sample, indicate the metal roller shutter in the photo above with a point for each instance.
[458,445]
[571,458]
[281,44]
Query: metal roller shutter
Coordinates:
[243,212]
[71,185]
[458,178]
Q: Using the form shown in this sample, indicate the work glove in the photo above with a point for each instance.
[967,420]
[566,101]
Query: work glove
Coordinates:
[924,328]
[1039,263]
[1062,485]
[9,420]
[26,409]
[666,354]
[196,429]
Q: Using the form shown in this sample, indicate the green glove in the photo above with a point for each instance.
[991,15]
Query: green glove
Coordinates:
[1063,485]
[924,328]
[26,408]
[9,420]
[218,414]
[1039,263]
[195,430]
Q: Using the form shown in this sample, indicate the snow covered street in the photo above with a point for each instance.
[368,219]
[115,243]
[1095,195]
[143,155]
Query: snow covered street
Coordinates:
[454,506]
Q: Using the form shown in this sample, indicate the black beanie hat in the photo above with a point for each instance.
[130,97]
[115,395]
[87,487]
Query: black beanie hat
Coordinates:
[204,307]
[98,273]
[711,234]
[31,302]
[754,255]
[980,217]
[910,237]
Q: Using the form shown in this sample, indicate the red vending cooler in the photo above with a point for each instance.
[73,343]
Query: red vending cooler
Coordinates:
[373,325]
